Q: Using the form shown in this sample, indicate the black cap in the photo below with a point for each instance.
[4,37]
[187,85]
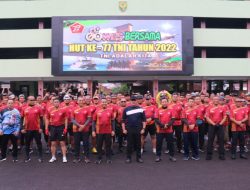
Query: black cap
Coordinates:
[133,98]
[139,97]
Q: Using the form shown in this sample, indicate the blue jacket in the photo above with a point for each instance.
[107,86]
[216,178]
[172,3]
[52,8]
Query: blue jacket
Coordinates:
[10,121]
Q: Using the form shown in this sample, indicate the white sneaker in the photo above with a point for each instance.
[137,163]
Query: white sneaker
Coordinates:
[53,159]
[166,151]
[65,160]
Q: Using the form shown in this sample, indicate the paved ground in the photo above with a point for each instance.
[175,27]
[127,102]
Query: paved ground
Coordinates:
[205,175]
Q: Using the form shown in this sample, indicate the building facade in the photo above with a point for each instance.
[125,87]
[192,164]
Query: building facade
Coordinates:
[221,43]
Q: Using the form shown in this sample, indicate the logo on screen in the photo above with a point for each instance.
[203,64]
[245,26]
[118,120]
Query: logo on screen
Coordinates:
[76,28]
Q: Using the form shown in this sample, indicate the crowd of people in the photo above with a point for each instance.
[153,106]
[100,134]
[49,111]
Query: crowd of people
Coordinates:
[98,123]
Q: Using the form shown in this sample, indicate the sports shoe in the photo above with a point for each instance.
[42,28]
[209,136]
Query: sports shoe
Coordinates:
[181,151]
[77,160]
[98,161]
[87,160]
[243,156]
[53,159]
[128,161]
[15,160]
[109,161]
[65,160]
[139,160]
[186,158]
[3,159]
[196,158]
[27,160]
[201,150]
[166,151]
[158,159]
[172,159]
[40,160]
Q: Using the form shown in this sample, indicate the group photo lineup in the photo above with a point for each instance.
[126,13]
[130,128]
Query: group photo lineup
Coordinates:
[124,94]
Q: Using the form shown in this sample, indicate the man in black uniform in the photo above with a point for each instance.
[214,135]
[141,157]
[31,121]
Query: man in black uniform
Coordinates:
[133,124]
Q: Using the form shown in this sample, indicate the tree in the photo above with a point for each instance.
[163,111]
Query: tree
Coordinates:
[123,89]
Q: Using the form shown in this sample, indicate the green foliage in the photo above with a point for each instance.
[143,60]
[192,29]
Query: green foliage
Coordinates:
[123,89]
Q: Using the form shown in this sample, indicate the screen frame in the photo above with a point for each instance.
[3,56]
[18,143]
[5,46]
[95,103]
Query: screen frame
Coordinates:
[57,47]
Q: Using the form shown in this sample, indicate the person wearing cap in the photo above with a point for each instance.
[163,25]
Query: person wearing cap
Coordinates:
[216,117]
[164,118]
[149,110]
[139,98]
[10,122]
[238,117]
[134,125]
[56,126]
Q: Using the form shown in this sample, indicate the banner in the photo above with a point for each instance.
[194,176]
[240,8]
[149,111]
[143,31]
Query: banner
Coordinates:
[127,45]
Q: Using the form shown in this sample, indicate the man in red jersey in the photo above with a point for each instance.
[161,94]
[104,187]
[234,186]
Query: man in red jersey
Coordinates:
[68,106]
[164,118]
[248,106]
[81,118]
[4,103]
[149,110]
[238,116]
[103,128]
[119,123]
[56,126]
[92,108]
[177,126]
[40,103]
[216,117]
[32,117]
[189,117]
[22,101]
[226,125]
[114,106]
[201,121]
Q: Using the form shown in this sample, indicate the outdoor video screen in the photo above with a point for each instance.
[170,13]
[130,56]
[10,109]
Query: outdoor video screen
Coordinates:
[122,45]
